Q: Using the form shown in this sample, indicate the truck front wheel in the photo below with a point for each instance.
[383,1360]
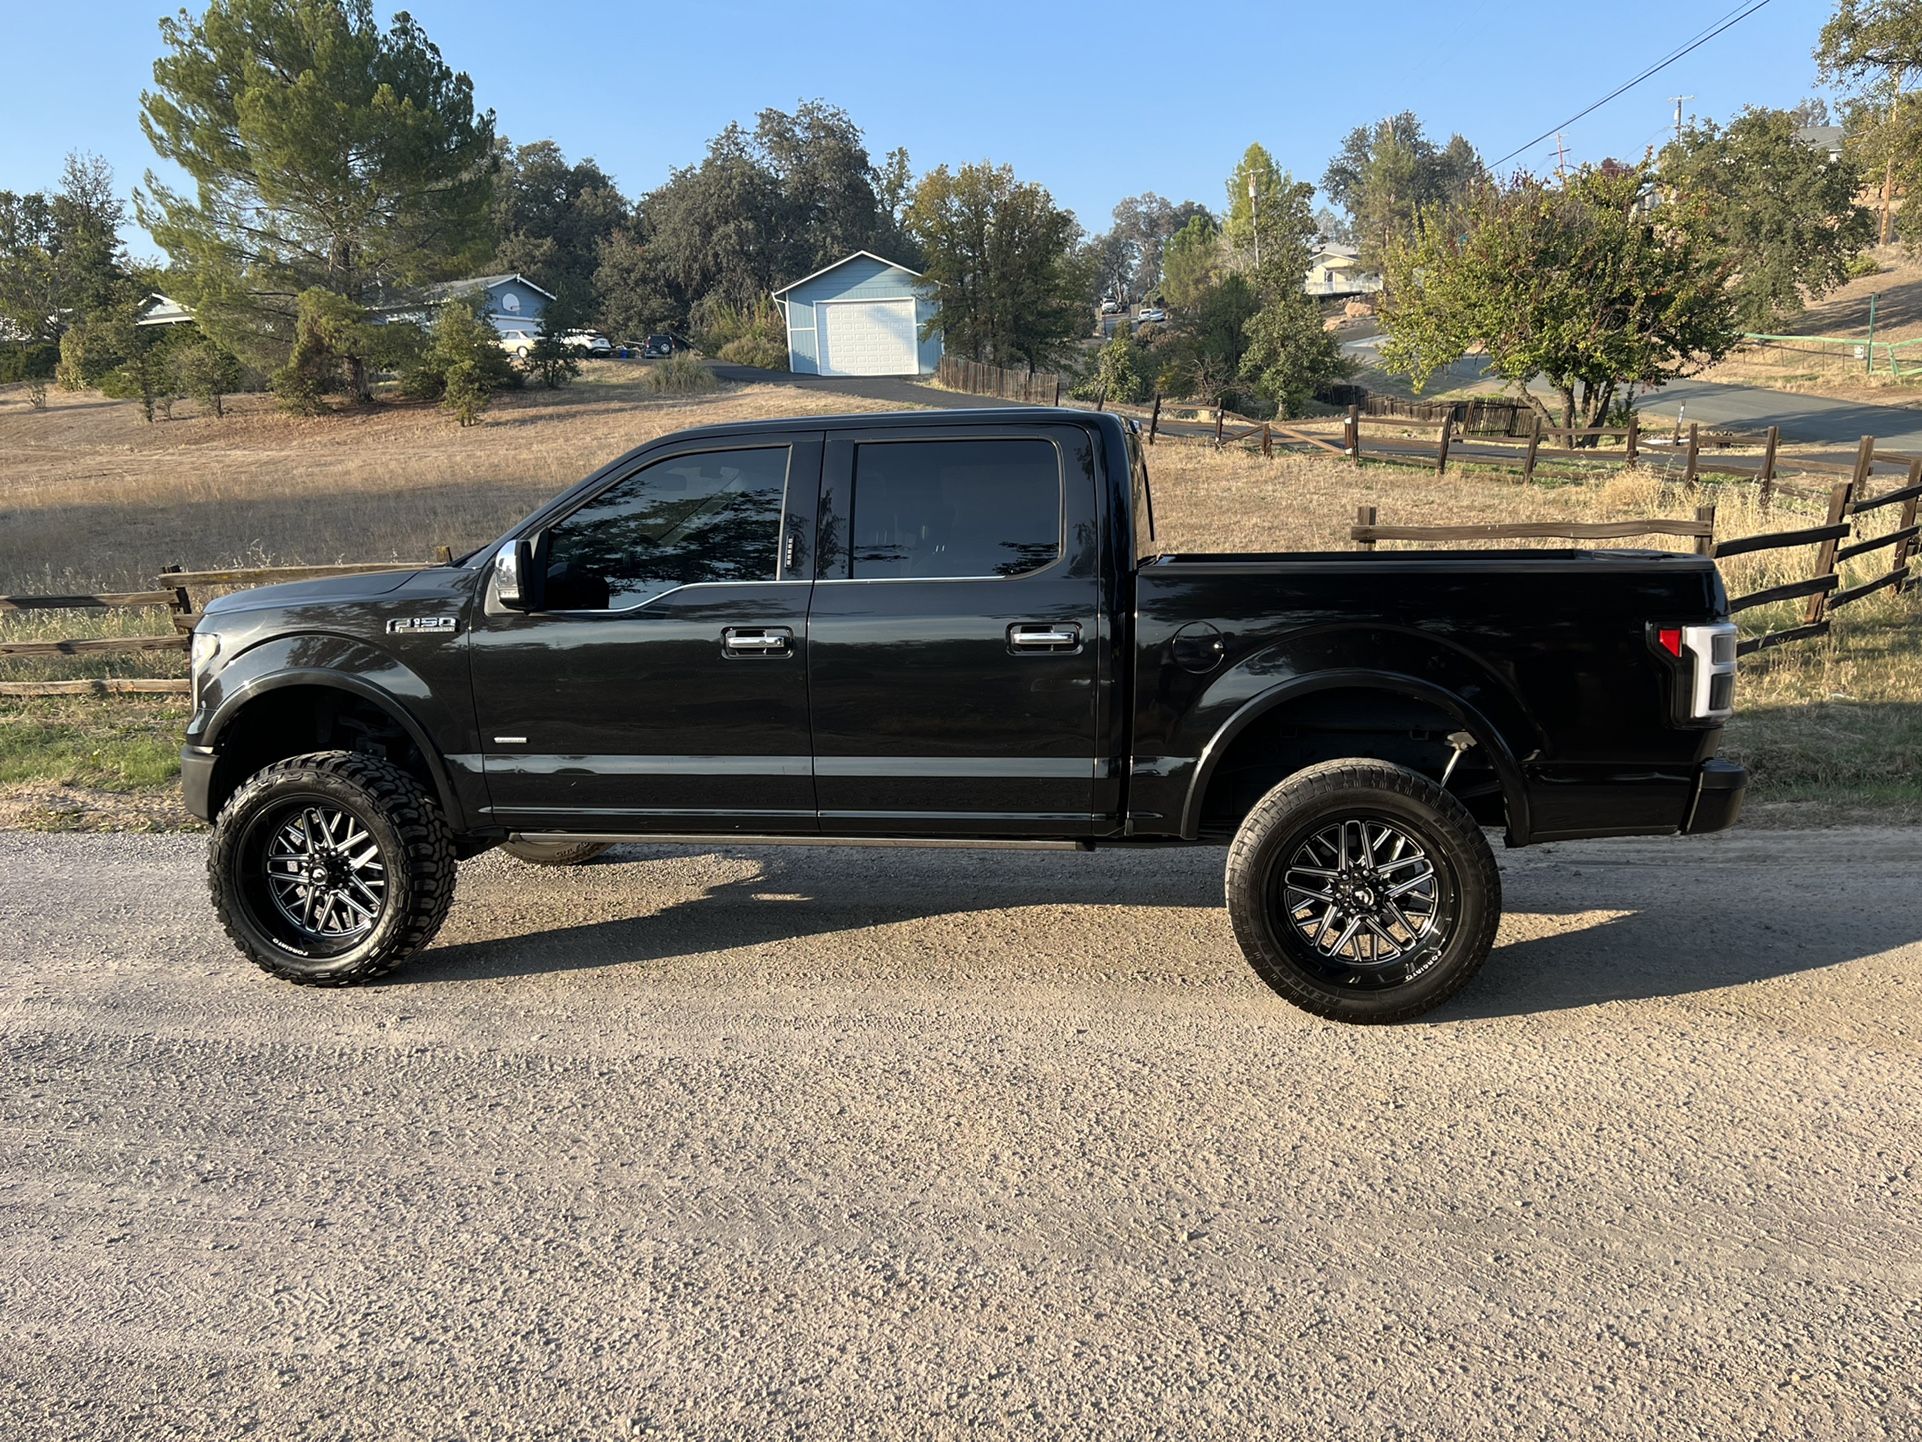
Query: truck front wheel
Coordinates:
[331,868]
[1363,892]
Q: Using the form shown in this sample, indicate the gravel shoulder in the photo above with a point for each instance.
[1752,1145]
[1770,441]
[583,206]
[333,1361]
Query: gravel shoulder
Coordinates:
[830,1143]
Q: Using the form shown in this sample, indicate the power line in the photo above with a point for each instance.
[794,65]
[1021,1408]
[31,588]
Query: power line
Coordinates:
[1734,17]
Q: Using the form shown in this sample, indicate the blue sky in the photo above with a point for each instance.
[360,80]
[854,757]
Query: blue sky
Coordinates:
[1093,101]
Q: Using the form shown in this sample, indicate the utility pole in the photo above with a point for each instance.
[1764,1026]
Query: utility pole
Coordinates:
[1254,205]
[1561,159]
[1678,99]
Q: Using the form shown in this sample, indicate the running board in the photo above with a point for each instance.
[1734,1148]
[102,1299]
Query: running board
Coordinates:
[942,843]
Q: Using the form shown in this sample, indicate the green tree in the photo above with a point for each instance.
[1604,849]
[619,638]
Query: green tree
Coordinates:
[331,333]
[1290,354]
[552,218]
[1578,285]
[326,153]
[1874,47]
[1785,215]
[552,362]
[1192,262]
[464,355]
[206,371]
[91,272]
[717,229]
[635,297]
[1117,373]
[833,197]
[1391,179]
[1013,283]
[29,300]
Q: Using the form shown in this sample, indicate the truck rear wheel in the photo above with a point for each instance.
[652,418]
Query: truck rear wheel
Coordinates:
[1363,892]
[553,853]
[331,868]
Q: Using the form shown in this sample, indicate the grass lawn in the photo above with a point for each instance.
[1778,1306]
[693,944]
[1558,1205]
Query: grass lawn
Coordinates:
[91,498]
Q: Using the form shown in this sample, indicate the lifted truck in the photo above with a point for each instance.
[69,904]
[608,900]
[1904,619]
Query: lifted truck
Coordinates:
[951,628]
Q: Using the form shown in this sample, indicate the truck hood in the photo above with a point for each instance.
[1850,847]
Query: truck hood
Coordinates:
[362,585]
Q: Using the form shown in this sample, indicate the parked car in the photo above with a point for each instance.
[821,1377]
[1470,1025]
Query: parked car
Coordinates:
[518,342]
[1151,313]
[589,342]
[1110,306]
[673,651]
[658,346]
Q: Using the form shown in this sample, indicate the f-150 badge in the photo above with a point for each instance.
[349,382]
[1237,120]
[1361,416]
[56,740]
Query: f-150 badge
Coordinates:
[441,624]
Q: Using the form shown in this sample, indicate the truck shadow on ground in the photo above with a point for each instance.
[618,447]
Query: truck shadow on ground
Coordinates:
[1616,937]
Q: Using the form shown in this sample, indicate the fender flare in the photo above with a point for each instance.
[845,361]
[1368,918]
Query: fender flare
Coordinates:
[255,687]
[1508,769]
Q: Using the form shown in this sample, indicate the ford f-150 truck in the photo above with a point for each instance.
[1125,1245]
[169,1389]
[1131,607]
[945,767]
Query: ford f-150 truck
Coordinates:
[951,628]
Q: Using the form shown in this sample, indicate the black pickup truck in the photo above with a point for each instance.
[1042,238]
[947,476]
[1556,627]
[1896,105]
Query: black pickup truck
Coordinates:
[951,628]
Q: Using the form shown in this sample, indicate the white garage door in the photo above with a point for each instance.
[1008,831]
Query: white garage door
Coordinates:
[866,337]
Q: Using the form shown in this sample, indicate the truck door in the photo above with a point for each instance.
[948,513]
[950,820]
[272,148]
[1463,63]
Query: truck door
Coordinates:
[954,632]
[660,682]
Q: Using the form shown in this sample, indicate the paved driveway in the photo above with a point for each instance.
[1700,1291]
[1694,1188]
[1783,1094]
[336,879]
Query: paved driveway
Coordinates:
[837,1144]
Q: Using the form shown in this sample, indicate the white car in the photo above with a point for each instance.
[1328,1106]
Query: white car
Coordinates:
[518,342]
[1111,307]
[1151,312]
[590,341]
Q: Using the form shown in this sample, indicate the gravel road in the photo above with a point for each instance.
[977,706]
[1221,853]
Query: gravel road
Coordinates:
[836,1144]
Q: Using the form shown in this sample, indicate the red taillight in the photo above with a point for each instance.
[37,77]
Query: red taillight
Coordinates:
[1669,638]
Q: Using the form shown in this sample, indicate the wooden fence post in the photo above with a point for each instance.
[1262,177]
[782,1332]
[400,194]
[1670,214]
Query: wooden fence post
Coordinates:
[1839,495]
[1905,549]
[1694,454]
[1267,440]
[1154,419]
[1351,433]
[1102,399]
[1630,451]
[1220,405]
[183,604]
[1768,465]
[1534,445]
[1441,450]
[1365,516]
[1705,545]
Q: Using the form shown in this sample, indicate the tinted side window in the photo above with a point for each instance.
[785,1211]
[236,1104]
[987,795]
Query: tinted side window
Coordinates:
[926,509]
[709,517]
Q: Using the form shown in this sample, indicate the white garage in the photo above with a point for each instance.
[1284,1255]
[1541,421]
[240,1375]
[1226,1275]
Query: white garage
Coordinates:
[864,315]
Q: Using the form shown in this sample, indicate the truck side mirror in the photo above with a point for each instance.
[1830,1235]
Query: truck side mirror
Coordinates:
[513,570]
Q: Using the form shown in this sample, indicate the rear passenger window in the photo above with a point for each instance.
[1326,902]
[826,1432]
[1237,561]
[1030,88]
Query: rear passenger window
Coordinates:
[930,509]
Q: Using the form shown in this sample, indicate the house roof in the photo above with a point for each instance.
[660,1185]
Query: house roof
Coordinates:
[1821,137]
[855,255]
[448,289]
[160,309]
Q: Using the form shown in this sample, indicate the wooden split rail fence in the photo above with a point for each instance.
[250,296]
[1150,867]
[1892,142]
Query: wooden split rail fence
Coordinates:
[174,591]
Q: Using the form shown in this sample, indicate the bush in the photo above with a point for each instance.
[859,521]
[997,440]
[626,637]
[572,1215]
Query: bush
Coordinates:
[29,362]
[679,375]
[717,324]
[1116,375]
[1864,264]
[755,350]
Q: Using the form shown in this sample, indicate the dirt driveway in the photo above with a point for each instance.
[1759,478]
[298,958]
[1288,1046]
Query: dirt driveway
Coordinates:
[928,1144]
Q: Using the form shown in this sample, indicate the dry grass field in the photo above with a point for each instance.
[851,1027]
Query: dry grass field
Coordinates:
[91,498]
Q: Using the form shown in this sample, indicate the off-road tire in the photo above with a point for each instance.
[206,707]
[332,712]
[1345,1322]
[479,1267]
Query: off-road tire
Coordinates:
[415,845]
[1318,797]
[553,853]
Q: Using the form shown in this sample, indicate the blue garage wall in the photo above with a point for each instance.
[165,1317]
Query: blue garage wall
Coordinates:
[860,277]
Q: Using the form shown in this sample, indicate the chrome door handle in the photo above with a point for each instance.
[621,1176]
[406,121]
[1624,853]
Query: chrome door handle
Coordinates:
[1044,636]
[757,641]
